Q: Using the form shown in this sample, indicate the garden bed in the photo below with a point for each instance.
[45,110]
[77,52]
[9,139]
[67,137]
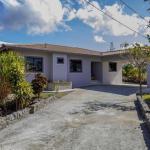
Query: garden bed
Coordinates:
[11,103]
[146,98]
[10,106]
[12,115]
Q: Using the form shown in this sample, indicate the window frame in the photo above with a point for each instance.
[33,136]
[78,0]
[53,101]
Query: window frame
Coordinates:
[110,68]
[59,63]
[71,71]
[34,58]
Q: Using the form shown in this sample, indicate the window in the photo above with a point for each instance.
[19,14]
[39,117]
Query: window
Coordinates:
[34,64]
[60,60]
[75,66]
[112,67]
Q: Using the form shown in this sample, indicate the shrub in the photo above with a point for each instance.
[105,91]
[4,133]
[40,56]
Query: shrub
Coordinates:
[38,84]
[23,94]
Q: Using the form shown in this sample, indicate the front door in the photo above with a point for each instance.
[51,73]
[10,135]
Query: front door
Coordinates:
[93,70]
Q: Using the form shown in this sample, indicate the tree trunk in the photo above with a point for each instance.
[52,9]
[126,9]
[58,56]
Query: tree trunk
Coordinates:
[141,93]
[16,104]
[38,96]
[5,107]
[140,81]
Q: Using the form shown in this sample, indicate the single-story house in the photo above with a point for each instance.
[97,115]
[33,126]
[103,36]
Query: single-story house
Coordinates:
[80,66]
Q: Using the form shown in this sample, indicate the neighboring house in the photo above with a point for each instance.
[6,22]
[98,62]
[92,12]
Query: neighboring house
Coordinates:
[80,66]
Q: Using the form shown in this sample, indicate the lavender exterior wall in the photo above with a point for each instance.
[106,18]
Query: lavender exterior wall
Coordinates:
[59,70]
[47,63]
[54,71]
[112,77]
[82,78]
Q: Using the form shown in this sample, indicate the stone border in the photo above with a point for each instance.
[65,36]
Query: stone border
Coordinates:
[9,119]
[144,110]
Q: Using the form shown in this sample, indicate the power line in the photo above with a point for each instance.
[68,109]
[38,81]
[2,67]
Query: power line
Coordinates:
[115,19]
[134,10]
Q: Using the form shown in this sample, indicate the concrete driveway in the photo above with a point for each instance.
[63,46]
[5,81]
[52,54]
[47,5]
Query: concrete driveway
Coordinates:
[93,118]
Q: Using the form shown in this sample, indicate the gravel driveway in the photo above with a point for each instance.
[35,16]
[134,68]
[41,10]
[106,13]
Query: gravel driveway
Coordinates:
[93,118]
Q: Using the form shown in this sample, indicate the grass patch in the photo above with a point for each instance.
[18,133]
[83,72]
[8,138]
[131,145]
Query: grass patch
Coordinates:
[45,95]
[146,97]
[61,83]
[61,94]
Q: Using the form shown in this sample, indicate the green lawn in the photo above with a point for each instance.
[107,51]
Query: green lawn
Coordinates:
[45,95]
[146,97]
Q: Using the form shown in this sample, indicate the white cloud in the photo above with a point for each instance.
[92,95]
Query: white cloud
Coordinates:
[99,39]
[70,13]
[91,17]
[38,16]
[100,22]
[45,16]
[130,20]
[9,3]
[82,2]
[2,42]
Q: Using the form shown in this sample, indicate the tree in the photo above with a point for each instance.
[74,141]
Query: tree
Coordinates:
[5,90]
[139,57]
[12,72]
[12,68]
[149,21]
[130,74]
[38,84]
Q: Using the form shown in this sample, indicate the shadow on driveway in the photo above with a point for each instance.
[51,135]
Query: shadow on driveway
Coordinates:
[144,128]
[125,90]
[146,134]
[96,105]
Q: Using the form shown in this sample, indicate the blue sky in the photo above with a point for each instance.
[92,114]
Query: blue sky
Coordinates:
[72,23]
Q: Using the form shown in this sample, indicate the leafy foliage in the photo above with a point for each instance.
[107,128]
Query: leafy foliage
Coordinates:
[38,84]
[23,94]
[12,68]
[148,36]
[12,71]
[130,74]
[5,90]
[139,57]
